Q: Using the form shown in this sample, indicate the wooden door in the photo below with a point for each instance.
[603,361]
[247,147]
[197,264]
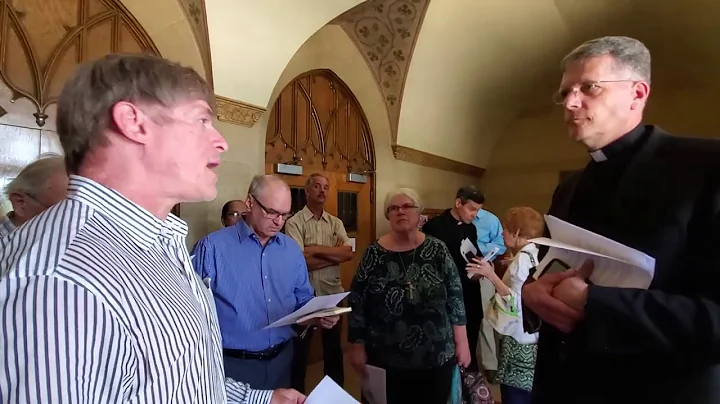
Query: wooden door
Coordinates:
[348,201]
[41,44]
[353,206]
[317,123]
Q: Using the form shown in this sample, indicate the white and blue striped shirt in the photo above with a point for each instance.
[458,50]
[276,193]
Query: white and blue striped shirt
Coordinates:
[6,226]
[99,304]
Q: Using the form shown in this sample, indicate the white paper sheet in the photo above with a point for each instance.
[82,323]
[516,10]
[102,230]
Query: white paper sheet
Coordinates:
[467,246]
[316,304]
[616,265]
[328,392]
[352,243]
[374,387]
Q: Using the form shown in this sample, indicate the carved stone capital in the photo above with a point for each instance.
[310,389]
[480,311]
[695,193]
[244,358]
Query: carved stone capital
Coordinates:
[422,158]
[237,112]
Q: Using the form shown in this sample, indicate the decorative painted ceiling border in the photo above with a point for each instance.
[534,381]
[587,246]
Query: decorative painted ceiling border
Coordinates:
[433,161]
[197,18]
[385,32]
[237,112]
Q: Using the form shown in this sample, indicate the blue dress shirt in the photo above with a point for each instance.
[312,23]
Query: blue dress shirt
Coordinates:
[252,286]
[489,231]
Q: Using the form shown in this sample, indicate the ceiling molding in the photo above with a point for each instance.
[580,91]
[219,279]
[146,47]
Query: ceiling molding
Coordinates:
[237,112]
[433,161]
[385,32]
[197,18]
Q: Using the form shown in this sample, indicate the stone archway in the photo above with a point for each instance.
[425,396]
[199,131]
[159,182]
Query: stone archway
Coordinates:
[316,122]
[40,46]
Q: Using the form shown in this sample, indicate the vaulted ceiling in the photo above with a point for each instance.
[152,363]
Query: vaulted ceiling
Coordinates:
[252,41]
[477,65]
[452,72]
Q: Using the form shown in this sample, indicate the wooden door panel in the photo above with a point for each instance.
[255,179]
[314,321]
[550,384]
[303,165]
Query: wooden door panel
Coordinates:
[317,123]
[44,41]
[363,232]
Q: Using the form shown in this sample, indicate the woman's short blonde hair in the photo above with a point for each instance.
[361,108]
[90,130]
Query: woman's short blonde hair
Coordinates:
[528,222]
[409,192]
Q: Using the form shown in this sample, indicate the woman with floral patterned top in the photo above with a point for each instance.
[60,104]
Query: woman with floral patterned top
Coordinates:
[407,309]
[518,349]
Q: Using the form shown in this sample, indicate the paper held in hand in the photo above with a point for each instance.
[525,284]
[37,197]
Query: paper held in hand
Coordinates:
[333,311]
[328,392]
[317,307]
[468,252]
[616,265]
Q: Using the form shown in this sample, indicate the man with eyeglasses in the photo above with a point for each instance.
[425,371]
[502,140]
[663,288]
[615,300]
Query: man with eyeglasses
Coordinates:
[257,275]
[651,191]
[232,211]
[38,186]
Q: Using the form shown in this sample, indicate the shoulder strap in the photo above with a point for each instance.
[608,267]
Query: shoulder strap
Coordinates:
[532,259]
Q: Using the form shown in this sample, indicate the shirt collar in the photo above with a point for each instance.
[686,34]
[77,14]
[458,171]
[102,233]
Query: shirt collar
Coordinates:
[449,217]
[531,248]
[142,226]
[244,231]
[624,144]
[307,214]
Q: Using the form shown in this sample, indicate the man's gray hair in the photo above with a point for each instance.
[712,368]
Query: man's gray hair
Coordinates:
[629,53]
[32,179]
[259,182]
[311,179]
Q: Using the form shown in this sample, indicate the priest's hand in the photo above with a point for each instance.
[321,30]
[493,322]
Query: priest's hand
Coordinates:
[573,291]
[538,297]
[287,396]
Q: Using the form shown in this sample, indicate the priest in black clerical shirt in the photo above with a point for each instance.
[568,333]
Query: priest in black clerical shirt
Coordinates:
[656,193]
[452,227]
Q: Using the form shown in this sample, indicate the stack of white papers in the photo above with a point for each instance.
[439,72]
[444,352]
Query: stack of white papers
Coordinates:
[616,265]
[328,392]
[315,306]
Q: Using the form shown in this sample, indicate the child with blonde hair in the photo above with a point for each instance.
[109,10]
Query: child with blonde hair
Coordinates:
[518,349]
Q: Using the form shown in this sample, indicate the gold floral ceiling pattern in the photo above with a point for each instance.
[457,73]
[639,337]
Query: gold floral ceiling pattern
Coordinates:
[385,31]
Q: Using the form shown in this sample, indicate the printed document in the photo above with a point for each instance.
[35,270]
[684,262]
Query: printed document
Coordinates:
[374,387]
[317,304]
[467,250]
[328,392]
[616,265]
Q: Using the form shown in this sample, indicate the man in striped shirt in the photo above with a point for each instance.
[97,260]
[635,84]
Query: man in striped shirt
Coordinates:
[98,299]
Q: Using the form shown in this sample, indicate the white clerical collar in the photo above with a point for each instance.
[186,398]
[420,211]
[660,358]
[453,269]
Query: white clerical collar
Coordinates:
[598,156]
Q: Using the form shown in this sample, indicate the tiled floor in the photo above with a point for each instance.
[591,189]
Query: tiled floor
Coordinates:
[352,382]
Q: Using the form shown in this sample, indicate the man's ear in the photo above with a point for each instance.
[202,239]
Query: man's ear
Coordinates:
[641,92]
[130,121]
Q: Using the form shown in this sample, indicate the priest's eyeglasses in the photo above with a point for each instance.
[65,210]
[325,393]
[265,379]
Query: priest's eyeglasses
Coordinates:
[589,88]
